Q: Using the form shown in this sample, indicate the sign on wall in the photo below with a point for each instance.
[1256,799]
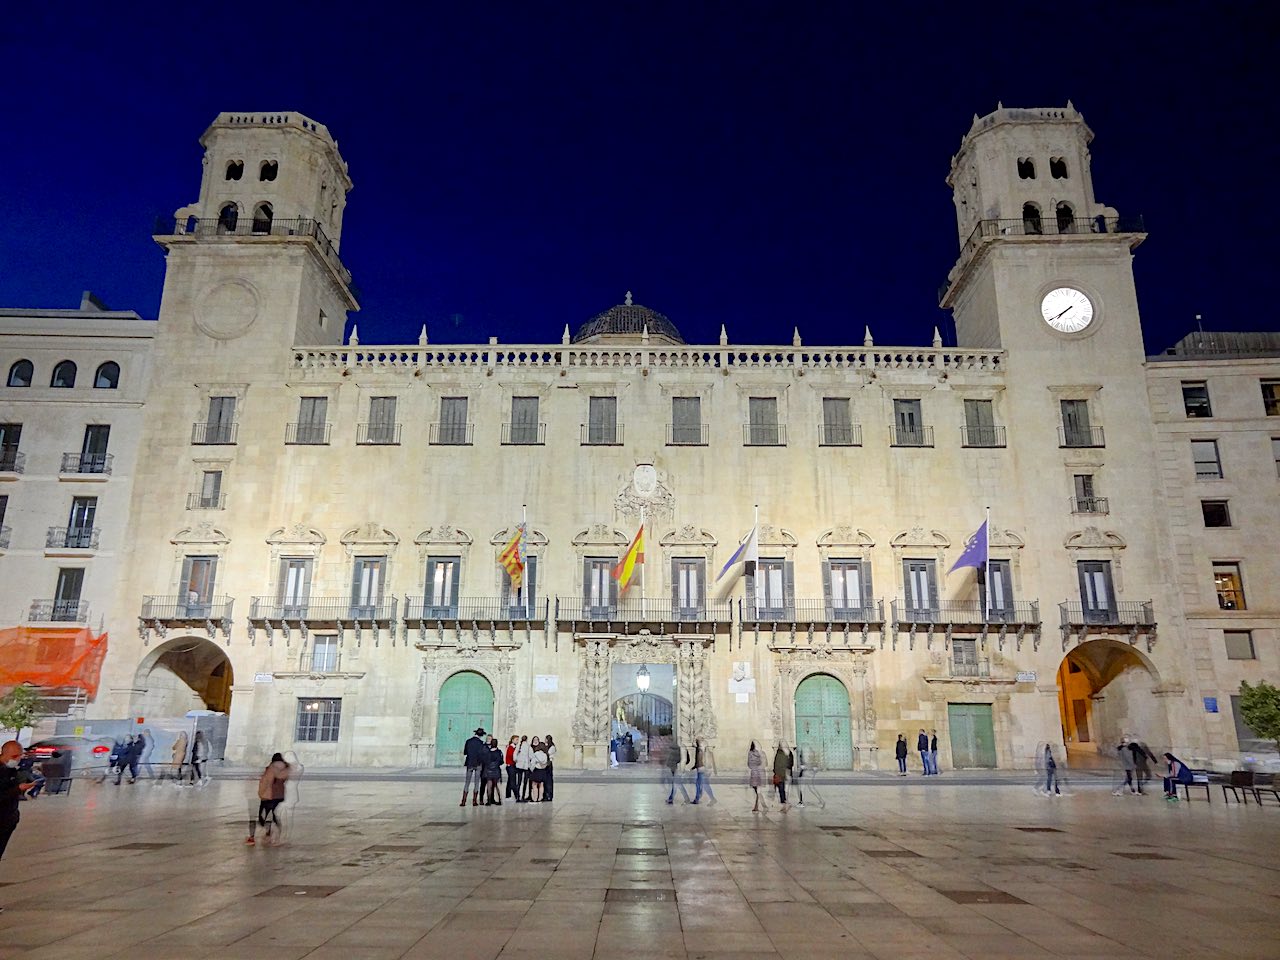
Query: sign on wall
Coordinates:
[546,683]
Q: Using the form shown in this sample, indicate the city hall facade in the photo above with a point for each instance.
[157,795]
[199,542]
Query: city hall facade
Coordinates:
[312,525]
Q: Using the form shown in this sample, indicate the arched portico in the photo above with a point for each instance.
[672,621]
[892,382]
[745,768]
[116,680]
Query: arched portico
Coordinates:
[183,673]
[1108,689]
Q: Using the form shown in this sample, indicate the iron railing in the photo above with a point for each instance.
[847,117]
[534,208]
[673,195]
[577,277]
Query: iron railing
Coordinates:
[451,434]
[1125,613]
[323,609]
[86,463]
[970,668]
[58,611]
[12,461]
[764,434]
[72,538]
[687,434]
[1090,505]
[305,433]
[900,436]
[1020,612]
[198,501]
[524,434]
[810,611]
[178,607]
[473,609]
[250,226]
[841,435]
[212,433]
[640,610]
[378,432]
[601,434]
[1081,437]
[992,436]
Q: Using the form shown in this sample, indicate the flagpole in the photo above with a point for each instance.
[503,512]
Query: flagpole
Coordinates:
[755,530]
[986,570]
[642,564]
[524,533]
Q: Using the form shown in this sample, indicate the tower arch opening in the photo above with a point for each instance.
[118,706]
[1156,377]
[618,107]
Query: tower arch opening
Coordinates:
[228,217]
[235,169]
[1026,168]
[262,216]
[1066,215]
[1031,223]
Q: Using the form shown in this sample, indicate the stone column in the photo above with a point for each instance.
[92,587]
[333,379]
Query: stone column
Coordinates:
[591,716]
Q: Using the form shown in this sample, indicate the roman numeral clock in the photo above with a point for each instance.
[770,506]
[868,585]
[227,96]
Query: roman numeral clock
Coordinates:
[1066,310]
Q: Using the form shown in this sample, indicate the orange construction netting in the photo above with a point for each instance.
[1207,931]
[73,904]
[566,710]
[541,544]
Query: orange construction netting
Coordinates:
[51,657]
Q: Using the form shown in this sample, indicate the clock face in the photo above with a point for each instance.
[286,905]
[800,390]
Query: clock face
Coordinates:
[1067,310]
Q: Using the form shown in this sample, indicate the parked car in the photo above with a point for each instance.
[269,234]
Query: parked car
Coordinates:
[87,754]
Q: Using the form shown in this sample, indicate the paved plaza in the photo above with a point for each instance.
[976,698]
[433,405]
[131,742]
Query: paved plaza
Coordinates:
[382,869]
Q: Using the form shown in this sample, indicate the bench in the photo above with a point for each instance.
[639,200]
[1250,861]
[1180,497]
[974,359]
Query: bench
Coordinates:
[1261,786]
[1199,778]
[1241,781]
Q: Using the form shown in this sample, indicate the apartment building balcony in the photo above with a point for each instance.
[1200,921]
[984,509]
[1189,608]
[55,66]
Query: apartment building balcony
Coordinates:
[378,433]
[58,611]
[632,614]
[1130,619]
[13,464]
[204,433]
[988,436]
[1076,437]
[307,434]
[900,436]
[162,613]
[451,434]
[524,434]
[1096,505]
[71,541]
[687,434]
[89,466]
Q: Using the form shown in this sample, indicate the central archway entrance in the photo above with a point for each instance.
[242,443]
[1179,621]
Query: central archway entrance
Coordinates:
[182,674]
[466,703]
[823,722]
[642,716]
[1104,693]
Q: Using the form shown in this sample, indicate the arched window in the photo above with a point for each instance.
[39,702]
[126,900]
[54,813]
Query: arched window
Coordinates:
[235,169]
[20,374]
[64,375]
[1058,168]
[107,377]
[1026,168]
[228,217]
[269,170]
[1031,219]
[262,218]
[1066,218]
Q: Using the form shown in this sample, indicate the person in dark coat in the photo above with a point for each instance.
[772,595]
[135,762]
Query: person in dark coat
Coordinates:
[12,785]
[493,763]
[900,751]
[474,753]
[922,748]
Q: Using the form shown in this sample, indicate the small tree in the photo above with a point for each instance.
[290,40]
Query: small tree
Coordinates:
[18,707]
[1260,709]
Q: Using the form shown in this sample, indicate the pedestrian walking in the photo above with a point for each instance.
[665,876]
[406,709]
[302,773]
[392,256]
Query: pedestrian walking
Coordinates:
[755,773]
[270,795]
[672,776]
[513,772]
[702,759]
[900,752]
[1129,766]
[178,755]
[613,751]
[933,752]
[922,748]
[492,774]
[1050,772]
[799,760]
[781,768]
[1142,760]
[524,769]
[13,784]
[474,753]
[199,758]
[549,778]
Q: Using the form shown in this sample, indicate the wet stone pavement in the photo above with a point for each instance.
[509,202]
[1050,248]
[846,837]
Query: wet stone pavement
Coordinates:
[394,869]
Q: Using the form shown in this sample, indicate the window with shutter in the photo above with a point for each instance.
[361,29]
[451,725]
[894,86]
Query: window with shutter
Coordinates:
[763,421]
[1097,598]
[1075,423]
[210,489]
[324,653]
[442,587]
[453,420]
[908,423]
[66,594]
[998,583]
[602,425]
[312,414]
[93,450]
[688,587]
[366,587]
[524,420]
[521,604]
[195,591]
[920,580]
[382,420]
[295,586]
[686,421]
[770,589]
[837,423]
[844,589]
[979,423]
[599,589]
[221,422]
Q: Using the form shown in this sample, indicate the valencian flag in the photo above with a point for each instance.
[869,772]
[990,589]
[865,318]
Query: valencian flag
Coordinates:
[626,567]
[975,550]
[511,558]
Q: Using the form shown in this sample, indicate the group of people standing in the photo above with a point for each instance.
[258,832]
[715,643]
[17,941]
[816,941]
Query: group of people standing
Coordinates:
[926,746]
[529,764]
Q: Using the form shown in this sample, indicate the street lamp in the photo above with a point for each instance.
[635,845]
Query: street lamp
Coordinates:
[642,684]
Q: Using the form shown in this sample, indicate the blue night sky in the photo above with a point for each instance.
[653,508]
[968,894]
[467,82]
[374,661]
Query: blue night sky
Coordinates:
[761,165]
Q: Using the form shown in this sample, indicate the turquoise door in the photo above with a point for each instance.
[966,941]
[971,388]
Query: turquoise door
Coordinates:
[822,722]
[466,702]
[973,738]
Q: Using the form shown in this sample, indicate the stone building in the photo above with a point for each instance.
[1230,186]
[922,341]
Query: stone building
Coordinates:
[316,523]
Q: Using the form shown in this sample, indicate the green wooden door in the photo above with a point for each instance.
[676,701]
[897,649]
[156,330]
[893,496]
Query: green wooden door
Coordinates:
[973,738]
[822,722]
[466,702]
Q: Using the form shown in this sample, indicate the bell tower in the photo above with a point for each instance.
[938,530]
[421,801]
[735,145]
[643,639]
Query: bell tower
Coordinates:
[253,265]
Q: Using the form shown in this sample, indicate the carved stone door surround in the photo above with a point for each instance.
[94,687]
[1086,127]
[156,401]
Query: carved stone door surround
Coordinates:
[438,665]
[854,670]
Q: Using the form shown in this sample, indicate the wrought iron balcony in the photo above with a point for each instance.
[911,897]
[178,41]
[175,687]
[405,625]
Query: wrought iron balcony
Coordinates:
[72,538]
[524,434]
[602,434]
[419,610]
[1090,505]
[328,610]
[378,433]
[841,435]
[214,228]
[58,611]
[1019,613]
[13,461]
[639,611]
[179,609]
[900,436]
[1080,437]
[198,501]
[1136,614]
[992,436]
[687,434]
[754,611]
[86,463]
[764,434]
[451,434]
[307,434]
[213,433]
[969,668]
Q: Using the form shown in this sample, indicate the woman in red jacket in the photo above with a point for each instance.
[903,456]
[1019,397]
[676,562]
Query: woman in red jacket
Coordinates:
[513,772]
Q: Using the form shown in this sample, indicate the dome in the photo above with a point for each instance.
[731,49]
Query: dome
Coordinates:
[628,320]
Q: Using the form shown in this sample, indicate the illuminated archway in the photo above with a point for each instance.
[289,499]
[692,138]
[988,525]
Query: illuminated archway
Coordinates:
[1106,691]
[181,674]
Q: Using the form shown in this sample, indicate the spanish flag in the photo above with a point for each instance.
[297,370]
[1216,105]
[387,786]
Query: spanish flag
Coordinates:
[626,567]
[511,558]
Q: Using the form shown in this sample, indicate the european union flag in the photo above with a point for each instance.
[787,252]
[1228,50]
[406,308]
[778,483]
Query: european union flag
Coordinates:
[975,550]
